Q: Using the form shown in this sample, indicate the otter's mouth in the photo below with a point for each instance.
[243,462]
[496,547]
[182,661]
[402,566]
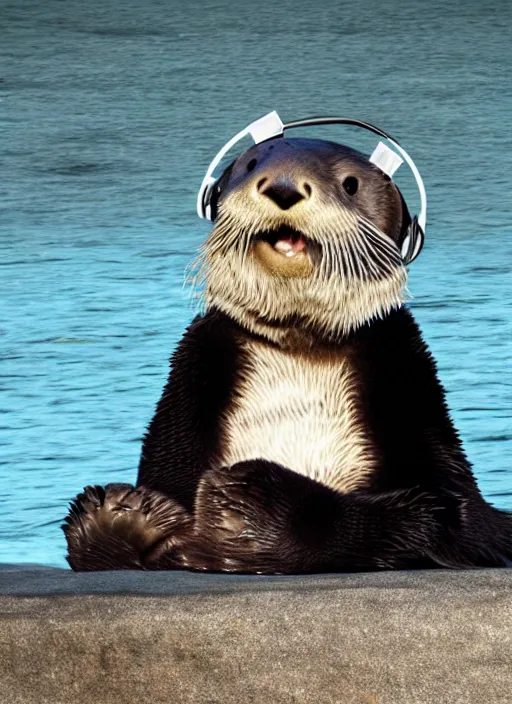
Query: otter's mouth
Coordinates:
[285,241]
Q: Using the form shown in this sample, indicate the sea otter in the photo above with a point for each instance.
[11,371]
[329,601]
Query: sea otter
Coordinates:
[303,427]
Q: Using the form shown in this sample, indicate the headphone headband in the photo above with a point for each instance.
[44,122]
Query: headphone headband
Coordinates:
[383,157]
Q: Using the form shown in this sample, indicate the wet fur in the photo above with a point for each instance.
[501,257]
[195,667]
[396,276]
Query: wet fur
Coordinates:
[335,351]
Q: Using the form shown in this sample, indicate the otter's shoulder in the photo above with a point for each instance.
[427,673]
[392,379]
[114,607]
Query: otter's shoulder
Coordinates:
[394,355]
[396,339]
[211,338]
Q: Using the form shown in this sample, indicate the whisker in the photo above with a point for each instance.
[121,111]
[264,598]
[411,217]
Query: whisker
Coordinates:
[359,273]
[364,264]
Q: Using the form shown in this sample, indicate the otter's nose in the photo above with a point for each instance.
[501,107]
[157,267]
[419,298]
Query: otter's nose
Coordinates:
[282,191]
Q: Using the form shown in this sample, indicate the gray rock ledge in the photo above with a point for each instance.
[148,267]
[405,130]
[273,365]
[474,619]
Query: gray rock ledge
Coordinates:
[438,637]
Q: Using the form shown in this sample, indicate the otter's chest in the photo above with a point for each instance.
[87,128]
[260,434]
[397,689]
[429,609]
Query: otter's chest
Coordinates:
[302,412]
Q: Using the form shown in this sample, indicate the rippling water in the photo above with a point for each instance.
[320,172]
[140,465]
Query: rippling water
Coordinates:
[109,114]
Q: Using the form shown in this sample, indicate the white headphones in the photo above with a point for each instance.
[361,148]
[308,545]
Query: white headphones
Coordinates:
[386,159]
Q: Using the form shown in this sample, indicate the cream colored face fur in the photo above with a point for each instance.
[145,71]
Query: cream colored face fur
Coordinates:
[349,272]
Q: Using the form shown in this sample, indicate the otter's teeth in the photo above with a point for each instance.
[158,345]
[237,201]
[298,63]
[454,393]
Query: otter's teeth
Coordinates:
[290,246]
[284,247]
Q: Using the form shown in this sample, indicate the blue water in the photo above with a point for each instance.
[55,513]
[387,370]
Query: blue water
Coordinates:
[109,114]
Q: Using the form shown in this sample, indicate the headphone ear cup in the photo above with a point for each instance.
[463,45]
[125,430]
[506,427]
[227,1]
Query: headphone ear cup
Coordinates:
[207,201]
[204,198]
[213,200]
[214,191]
[413,242]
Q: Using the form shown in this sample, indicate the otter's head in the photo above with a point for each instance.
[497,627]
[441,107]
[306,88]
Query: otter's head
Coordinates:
[306,241]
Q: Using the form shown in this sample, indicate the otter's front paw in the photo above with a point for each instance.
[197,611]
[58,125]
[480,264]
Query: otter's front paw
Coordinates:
[122,527]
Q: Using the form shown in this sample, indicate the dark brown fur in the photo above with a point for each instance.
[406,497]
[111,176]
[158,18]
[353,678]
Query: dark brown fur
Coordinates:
[421,506]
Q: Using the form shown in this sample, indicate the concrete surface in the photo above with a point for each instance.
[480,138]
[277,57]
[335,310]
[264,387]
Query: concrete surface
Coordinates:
[385,638]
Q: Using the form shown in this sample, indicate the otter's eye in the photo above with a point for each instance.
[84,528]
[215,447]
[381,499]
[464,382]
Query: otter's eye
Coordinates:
[351,184]
[251,165]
